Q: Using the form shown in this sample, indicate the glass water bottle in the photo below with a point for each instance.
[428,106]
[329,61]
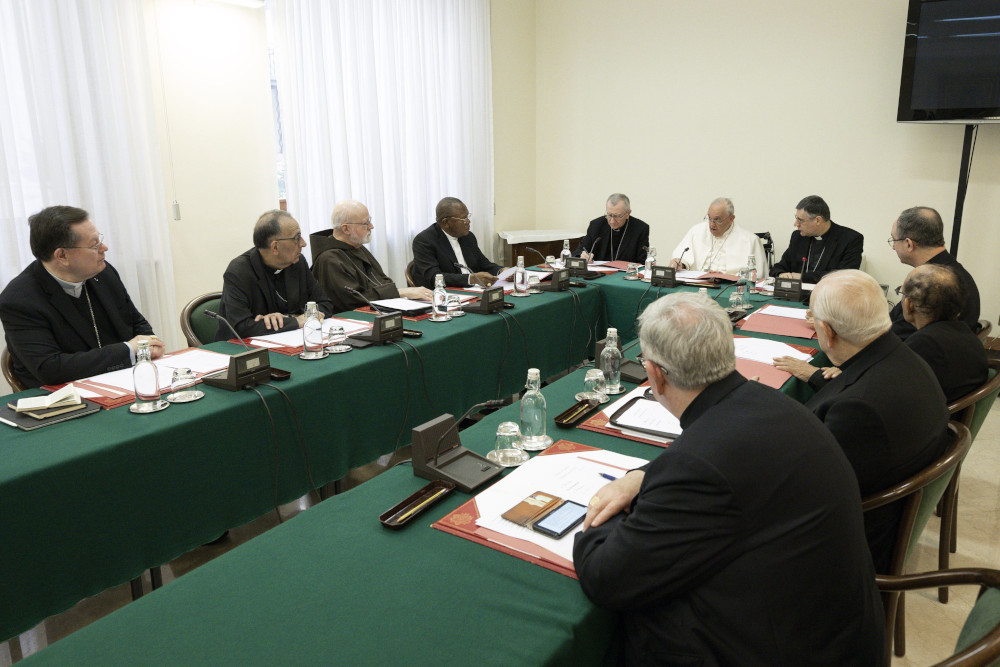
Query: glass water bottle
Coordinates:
[312,334]
[146,378]
[565,254]
[520,278]
[439,300]
[611,363]
[650,263]
[533,415]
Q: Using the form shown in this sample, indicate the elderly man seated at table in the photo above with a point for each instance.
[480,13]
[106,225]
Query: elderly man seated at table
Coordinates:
[932,302]
[68,315]
[265,290]
[718,243]
[341,260]
[885,407]
[742,542]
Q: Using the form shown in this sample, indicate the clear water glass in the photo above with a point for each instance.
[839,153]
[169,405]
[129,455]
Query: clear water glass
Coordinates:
[594,386]
[506,451]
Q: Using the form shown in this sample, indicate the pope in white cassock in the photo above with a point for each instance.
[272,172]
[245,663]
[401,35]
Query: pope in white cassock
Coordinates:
[719,244]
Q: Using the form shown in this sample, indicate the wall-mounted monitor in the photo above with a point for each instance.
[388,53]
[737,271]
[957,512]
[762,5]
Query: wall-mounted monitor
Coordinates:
[951,62]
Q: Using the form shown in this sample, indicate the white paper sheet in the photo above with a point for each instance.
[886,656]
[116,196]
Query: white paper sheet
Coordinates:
[351,327]
[784,311]
[759,349]
[199,361]
[290,338]
[404,305]
[122,379]
[573,476]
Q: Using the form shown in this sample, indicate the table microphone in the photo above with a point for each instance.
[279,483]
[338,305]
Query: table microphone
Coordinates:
[544,261]
[495,403]
[680,260]
[461,266]
[592,246]
[215,316]
[370,304]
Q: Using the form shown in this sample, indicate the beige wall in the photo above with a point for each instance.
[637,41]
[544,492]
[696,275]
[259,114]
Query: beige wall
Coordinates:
[512,27]
[675,103]
[219,157]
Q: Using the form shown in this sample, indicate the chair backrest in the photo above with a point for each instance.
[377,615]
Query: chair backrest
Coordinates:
[919,495]
[979,642]
[410,282]
[985,327]
[973,408]
[768,243]
[199,328]
[8,372]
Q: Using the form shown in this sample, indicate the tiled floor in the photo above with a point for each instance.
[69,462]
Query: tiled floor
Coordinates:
[932,628]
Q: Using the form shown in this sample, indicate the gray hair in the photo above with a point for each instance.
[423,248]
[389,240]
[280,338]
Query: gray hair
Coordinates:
[343,211]
[851,302]
[922,225]
[730,209]
[617,197]
[691,337]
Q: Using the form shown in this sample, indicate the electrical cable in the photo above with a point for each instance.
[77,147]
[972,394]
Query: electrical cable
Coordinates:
[406,409]
[274,439]
[298,430]
[423,374]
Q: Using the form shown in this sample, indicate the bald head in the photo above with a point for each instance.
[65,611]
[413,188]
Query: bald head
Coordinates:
[934,291]
[851,303]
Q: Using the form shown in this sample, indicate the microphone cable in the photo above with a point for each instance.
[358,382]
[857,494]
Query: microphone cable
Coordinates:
[406,408]
[638,307]
[590,329]
[527,355]
[503,359]
[298,430]
[423,373]
[274,439]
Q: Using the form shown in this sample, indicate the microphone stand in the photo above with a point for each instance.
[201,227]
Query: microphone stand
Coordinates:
[370,304]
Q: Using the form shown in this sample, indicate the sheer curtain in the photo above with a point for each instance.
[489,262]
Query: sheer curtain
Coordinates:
[78,127]
[387,102]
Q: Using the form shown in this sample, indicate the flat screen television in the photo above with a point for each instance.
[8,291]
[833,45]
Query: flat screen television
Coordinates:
[951,62]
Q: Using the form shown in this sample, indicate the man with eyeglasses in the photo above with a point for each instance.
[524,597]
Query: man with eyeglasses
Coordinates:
[917,237]
[819,245]
[340,259]
[265,290]
[711,552]
[68,315]
[449,247]
[719,244]
[616,235]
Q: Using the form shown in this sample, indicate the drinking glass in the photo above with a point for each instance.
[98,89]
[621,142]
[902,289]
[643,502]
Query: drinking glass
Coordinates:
[594,386]
[506,452]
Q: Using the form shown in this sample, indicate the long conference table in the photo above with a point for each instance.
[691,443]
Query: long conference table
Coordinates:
[92,503]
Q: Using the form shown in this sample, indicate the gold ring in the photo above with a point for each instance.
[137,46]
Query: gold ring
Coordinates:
[595,500]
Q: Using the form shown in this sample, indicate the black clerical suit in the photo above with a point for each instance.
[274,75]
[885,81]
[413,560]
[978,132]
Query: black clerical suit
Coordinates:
[250,288]
[433,254]
[628,243]
[956,356]
[839,248]
[888,413]
[970,307]
[744,546]
[51,335]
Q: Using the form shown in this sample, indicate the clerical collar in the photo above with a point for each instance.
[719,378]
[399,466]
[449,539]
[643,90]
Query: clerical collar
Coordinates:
[73,289]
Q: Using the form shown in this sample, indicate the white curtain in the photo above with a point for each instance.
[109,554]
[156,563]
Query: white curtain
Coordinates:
[387,102]
[78,127]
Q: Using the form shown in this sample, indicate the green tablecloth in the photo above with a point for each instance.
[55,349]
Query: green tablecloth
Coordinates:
[91,503]
[333,586]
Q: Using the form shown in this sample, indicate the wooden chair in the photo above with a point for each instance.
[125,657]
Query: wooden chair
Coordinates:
[8,372]
[970,410]
[199,328]
[978,643]
[919,496]
[985,327]
[410,282]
